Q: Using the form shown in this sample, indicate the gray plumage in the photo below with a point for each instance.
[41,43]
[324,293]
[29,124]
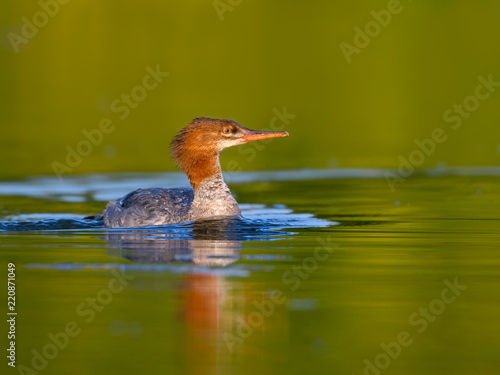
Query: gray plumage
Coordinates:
[158,206]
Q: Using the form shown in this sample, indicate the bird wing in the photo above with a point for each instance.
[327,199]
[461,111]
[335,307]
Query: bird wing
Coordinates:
[154,206]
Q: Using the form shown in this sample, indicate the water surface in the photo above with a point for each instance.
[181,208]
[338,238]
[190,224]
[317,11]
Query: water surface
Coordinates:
[320,276]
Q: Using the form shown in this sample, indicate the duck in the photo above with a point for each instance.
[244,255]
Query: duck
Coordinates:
[195,149]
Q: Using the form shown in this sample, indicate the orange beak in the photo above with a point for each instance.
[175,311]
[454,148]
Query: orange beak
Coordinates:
[257,135]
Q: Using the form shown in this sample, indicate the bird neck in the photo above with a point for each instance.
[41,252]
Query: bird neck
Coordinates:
[200,167]
[212,188]
[212,199]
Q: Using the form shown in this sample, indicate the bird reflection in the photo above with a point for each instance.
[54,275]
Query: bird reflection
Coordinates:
[203,243]
[202,296]
[210,307]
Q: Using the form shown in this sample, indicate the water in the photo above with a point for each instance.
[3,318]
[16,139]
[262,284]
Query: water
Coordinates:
[328,273]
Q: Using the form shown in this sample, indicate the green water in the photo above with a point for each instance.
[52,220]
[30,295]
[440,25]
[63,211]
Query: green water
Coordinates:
[419,267]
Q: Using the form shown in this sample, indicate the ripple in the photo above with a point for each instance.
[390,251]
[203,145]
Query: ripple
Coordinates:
[138,267]
[257,219]
[106,187]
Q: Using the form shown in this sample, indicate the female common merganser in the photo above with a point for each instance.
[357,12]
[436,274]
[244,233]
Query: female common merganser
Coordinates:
[196,151]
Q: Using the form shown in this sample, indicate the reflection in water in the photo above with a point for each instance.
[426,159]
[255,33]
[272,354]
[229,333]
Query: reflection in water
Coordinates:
[202,298]
[217,314]
[203,243]
[213,315]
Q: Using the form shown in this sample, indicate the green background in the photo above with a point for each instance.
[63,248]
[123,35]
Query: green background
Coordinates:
[260,56]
